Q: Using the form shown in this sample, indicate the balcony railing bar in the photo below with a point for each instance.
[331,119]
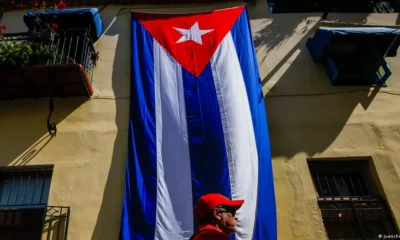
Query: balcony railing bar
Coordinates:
[69,47]
[76,49]
[72,46]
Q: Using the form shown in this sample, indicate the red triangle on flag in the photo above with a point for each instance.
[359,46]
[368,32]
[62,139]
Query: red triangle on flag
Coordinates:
[190,38]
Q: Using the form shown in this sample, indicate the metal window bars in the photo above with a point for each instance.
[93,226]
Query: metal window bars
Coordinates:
[24,213]
[362,219]
[335,185]
[25,186]
[350,205]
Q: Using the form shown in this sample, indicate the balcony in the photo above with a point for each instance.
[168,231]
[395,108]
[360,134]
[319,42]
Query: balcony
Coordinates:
[355,56]
[57,64]
[55,58]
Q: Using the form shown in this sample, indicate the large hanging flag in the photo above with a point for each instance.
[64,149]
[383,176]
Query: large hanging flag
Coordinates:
[197,125]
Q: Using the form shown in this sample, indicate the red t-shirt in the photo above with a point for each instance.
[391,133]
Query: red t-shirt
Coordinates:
[209,232]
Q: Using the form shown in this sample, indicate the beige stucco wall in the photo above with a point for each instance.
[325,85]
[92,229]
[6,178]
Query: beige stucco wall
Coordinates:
[310,118]
[307,118]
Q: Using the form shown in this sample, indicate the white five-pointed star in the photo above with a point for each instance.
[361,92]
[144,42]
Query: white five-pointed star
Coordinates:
[194,34]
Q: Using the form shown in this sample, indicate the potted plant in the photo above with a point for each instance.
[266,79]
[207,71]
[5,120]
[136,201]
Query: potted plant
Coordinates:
[15,54]
[44,30]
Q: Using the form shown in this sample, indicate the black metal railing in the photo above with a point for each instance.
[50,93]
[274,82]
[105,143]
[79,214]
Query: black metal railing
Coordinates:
[56,221]
[34,222]
[356,219]
[72,46]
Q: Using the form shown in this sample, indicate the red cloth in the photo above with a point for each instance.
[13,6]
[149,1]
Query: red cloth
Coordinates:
[209,232]
[211,28]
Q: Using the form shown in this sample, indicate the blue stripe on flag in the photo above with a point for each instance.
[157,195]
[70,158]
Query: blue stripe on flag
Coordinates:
[208,157]
[139,207]
[265,225]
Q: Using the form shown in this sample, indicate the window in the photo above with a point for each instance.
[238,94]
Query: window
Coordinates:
[355,56]
[350,203]
[24,213]
[25,186]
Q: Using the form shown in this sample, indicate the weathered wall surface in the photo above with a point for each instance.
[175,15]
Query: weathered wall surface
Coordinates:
[307,118]
[310,118]
[89,151]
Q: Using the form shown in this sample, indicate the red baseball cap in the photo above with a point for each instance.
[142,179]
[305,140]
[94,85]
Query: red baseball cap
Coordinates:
[210,201]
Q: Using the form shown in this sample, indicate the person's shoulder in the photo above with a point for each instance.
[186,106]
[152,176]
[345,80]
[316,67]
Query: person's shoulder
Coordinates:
[210,235]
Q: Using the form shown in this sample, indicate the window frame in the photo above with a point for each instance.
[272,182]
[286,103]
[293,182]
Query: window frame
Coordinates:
[353,214]
[18,172]
[16,219]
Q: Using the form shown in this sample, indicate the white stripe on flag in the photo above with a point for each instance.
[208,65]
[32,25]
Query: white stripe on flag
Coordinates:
[238,132]
[174,218]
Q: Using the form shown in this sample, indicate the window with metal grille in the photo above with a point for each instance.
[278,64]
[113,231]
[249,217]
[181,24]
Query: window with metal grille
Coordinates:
[350,203]
[25,186]
[24,213]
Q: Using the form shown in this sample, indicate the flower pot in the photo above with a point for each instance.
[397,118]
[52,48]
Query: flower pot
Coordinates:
[61,80]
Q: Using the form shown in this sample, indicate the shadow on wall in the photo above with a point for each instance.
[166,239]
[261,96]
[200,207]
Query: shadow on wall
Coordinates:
[272,30]
[280,27]
[305,112]
[23,127]
[109,218]
[398,19]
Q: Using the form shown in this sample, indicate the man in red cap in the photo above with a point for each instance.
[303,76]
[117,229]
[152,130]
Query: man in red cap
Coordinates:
[216,216]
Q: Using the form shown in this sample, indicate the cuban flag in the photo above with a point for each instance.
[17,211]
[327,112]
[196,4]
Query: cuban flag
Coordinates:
[197,125]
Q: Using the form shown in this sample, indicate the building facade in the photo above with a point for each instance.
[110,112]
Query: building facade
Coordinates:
[334,148]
